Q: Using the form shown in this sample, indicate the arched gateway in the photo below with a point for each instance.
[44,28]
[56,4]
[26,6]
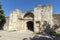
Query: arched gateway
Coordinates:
[30,25]
[29,18]
[32,20]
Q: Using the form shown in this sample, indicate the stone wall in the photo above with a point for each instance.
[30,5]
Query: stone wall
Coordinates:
[56,19]
[13,20]
[18,19]
[42,13]
[6,24]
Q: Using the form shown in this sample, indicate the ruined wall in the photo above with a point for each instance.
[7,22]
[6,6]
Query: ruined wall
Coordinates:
[5,27]
[13,20]
[41,13]
[56,19]
[37,18]
[47,14]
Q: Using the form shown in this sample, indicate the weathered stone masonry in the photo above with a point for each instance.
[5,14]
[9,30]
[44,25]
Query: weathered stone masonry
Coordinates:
[31,20]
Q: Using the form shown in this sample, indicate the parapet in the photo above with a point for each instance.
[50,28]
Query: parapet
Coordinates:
[41,6]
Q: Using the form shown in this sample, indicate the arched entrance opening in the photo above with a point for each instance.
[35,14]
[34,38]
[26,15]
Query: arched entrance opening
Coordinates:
[30,25]
[29,14]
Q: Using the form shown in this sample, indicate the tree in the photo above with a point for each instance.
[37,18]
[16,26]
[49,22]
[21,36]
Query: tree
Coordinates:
[2,17]
[48,29]
[55,26]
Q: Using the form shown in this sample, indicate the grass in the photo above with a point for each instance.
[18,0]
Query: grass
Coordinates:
[0,36]
[12,31]
[36,33]
[58,33]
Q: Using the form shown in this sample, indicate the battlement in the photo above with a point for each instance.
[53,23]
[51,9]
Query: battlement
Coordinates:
[42,6]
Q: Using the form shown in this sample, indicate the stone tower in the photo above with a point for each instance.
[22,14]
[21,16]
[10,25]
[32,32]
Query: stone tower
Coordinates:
[42,13]
[13,20]
[37,18]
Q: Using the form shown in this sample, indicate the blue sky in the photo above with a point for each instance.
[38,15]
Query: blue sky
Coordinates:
[25,5]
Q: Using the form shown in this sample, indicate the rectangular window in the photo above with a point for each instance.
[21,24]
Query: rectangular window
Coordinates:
[38,23]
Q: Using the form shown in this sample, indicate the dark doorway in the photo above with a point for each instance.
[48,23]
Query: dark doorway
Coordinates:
[30,25]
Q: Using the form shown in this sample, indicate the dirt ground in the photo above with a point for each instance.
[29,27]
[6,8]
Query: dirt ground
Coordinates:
[15,35]
[24,35]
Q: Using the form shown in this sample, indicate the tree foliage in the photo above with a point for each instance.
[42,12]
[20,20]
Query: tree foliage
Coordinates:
[2,19]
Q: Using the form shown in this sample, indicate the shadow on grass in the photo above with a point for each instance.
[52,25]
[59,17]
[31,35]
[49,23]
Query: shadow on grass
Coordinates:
[43,37]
